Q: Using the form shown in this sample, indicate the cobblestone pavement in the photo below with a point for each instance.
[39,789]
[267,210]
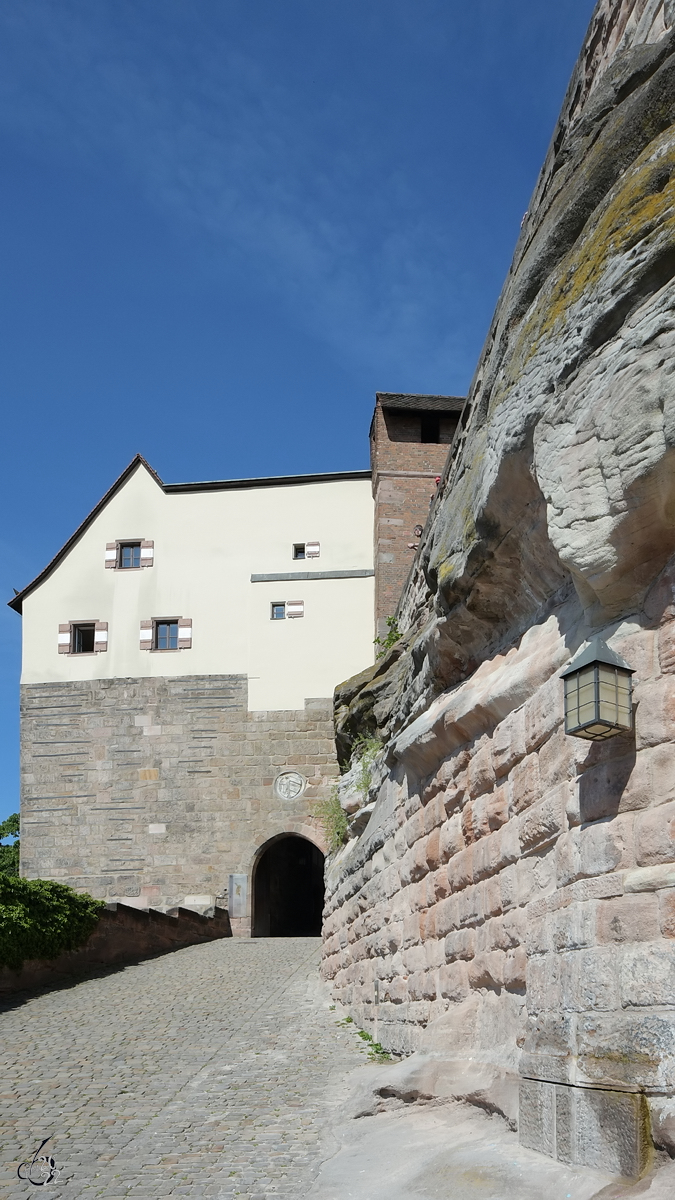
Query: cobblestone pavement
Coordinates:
[212,1071]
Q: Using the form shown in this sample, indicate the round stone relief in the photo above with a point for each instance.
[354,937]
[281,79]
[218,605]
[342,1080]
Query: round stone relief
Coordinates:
[289,785]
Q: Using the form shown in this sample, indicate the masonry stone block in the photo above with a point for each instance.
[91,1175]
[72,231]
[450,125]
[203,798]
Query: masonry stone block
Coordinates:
[544,990]
[524,784]
[647,974]
[452,839]
[486,970]
[666,902]
[454,982]
[655,712]
[515,969]
[434,814]
[655,835]
[492,896]
[544,821]
[460,870]
[460,944]
[589,979]
[631,918]
[574,927]
[481,773]
[508,743]
[543,714]
[536,1117]
[446,916]
[613,786]
[600,848]
[589,1127]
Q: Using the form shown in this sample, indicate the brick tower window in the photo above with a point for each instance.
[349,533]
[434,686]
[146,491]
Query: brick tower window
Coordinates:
[430,428]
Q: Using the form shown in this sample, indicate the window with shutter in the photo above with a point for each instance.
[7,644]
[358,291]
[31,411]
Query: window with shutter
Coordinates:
[295,608]
[83,637]
[166,633]
[129,554]
[312,549]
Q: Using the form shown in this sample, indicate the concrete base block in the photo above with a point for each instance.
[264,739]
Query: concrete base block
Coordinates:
[587,1127]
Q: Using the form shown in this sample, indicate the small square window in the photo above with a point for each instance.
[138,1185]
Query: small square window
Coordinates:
[299,550]
[83,639]
[129,555]
[166,635]
[278,612]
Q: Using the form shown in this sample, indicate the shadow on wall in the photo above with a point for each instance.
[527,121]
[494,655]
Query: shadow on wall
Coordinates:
[602,785]
[288,889]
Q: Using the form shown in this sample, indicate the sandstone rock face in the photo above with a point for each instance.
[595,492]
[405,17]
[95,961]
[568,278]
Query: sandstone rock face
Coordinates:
[513,890]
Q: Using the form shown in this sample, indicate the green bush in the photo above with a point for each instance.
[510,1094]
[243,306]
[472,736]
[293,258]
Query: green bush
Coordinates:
[9,855]
[41,919]
[332,816]
[364,752]
[385,644]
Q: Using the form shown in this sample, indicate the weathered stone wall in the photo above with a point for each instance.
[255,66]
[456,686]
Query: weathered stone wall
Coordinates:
[513,888]
[122,935]
[107,763]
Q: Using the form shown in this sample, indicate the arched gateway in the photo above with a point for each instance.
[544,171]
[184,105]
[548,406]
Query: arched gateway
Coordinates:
[288,888]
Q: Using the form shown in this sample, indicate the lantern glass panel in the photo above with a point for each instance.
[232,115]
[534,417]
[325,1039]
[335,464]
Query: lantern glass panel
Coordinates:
[608,701]
[587,695]
[571,702]
[624,701]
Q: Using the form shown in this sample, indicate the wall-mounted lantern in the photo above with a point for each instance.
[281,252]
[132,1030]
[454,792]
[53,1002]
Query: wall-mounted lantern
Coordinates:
[598,694]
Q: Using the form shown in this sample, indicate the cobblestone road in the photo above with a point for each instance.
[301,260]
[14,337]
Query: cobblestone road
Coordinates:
[212,1071]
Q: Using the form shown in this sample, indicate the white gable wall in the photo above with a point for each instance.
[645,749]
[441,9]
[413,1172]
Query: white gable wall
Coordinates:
[206,546]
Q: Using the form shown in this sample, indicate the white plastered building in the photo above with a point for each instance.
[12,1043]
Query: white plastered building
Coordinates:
[254,594]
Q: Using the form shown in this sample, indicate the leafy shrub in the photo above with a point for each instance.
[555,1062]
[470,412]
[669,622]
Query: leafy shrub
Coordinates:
[41,919]
[333,818]
[364,752]
[390,640]
[9,855]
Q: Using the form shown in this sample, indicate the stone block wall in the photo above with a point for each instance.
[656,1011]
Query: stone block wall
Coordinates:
[153,791]
[512,888]
[513,893]
[123,934]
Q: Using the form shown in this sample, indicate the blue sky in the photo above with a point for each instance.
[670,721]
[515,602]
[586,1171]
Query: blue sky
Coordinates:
[227,223]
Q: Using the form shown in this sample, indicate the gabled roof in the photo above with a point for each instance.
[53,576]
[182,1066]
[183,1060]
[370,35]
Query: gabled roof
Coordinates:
[419,403]
[211,485]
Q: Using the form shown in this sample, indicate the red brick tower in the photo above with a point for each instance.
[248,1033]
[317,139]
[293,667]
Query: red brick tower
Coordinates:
[409,441]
